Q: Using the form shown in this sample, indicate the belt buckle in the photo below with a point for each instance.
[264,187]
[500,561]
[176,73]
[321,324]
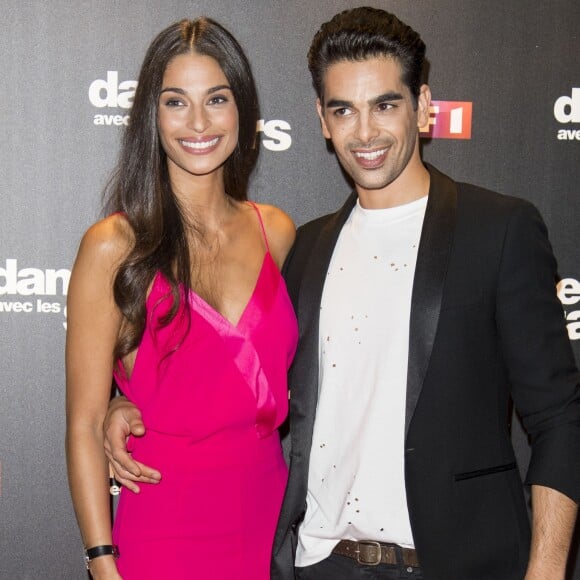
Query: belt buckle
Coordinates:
[377,550]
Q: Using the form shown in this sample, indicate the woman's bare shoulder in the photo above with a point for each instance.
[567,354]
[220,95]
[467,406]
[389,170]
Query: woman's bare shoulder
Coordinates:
[280,230]
[114,229]
[108,240]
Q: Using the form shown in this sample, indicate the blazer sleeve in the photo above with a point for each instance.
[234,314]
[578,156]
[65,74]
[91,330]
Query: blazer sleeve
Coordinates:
[538,354]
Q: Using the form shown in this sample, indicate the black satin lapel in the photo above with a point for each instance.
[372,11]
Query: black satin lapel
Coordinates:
[430,272]
[304,372]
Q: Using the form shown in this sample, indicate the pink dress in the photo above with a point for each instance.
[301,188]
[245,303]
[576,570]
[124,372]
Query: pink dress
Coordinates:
[211,407]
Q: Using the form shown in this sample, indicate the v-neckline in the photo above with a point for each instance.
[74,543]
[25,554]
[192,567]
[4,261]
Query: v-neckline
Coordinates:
[217,316]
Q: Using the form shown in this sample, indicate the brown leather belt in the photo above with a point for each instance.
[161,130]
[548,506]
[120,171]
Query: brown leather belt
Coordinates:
[372,553]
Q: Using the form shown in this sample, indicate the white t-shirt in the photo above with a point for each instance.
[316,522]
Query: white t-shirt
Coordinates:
[356,486]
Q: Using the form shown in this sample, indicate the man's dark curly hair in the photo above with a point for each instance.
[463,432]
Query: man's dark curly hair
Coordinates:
[361,33]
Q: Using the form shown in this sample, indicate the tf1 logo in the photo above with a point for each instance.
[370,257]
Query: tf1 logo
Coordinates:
[448,120]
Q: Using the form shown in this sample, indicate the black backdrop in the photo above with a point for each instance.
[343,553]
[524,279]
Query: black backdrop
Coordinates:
[67,71]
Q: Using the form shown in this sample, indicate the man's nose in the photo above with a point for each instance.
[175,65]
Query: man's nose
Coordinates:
[367,128]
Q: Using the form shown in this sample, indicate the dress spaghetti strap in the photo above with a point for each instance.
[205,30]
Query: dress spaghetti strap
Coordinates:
[261,224]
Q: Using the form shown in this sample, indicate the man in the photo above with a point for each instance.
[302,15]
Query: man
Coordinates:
[424,305]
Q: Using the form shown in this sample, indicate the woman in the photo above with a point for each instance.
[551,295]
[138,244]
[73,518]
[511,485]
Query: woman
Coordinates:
[178,295]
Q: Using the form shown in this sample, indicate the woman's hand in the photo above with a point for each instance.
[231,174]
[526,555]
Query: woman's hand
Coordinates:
[104,568]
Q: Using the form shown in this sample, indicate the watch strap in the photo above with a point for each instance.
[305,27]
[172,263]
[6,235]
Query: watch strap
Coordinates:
[97,551]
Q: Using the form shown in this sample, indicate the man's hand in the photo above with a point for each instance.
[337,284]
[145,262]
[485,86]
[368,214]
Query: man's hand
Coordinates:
[124,419]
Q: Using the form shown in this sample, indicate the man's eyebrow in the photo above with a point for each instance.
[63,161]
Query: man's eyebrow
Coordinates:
[388,96]
[337,104]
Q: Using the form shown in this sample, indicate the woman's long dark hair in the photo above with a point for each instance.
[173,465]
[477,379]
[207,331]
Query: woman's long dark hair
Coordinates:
[140,187]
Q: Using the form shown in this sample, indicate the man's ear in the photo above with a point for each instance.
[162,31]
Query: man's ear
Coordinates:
[423,105]
[320,111]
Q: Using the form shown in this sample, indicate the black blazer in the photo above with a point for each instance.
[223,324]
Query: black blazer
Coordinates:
[486,327]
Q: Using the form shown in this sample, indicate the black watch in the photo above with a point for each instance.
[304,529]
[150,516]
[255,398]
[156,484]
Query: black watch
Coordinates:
[92,553]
